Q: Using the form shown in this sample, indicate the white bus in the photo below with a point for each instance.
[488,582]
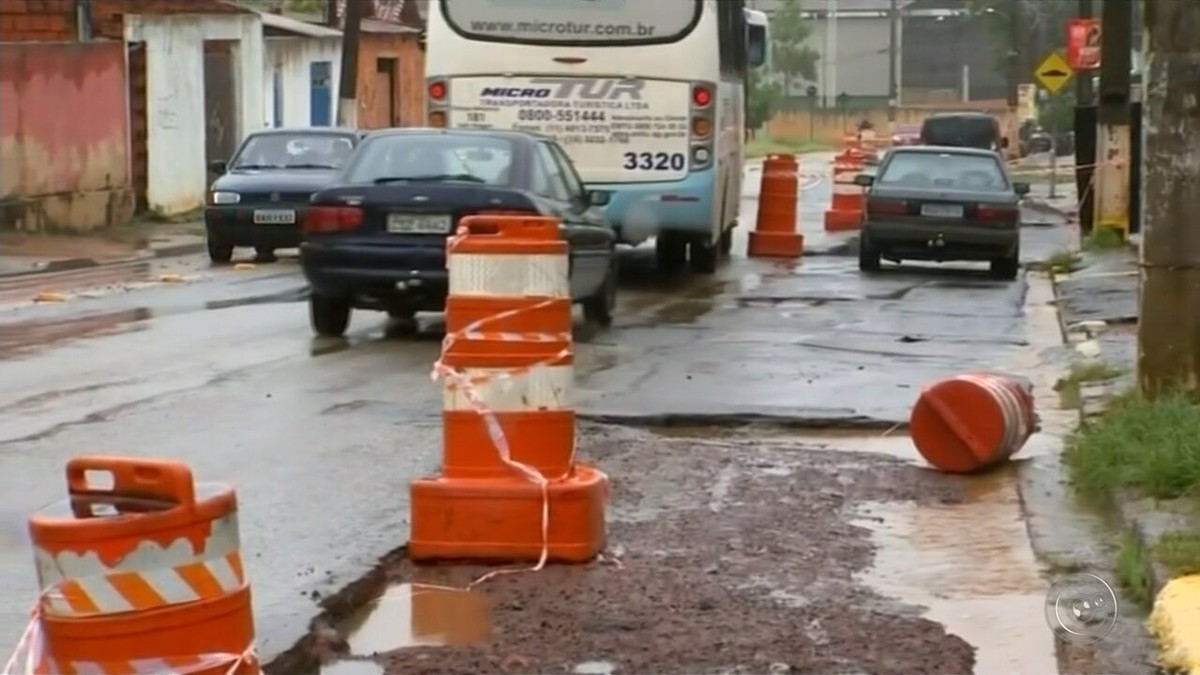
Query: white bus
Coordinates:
[646,96]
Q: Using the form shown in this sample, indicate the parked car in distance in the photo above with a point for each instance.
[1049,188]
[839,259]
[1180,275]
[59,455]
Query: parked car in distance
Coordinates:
[376,237]
[940,204]
[906,134]
[963,130]
[262,192]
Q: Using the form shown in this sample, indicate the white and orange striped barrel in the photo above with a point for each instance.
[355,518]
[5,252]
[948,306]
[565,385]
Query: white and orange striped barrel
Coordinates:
[508,359]
[972,422]
[846,195]
[147,570]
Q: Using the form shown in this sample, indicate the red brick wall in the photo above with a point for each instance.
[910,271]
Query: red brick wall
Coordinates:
[54,20]
[63,170]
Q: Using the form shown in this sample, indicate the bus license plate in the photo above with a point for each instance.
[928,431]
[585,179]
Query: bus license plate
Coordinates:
[403,223]
[275,217]
[942,210]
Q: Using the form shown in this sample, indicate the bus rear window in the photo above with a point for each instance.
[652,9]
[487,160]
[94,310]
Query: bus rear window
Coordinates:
[579,22]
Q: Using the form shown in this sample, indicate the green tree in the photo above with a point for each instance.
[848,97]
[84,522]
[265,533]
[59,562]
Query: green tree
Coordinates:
[763,97]
[790,56]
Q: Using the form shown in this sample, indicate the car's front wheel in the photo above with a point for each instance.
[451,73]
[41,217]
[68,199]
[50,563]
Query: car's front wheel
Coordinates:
[329,316]
[219,253]
[600,307]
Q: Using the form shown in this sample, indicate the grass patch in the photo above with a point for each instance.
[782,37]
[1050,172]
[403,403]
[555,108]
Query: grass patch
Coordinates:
[1063,262]
[1179,552]
[1148,447]
[1104,239]
[761,147]
[1070,386]
[1133,570]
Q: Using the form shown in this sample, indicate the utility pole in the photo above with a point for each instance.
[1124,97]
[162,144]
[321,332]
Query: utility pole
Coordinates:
[1083,81]
[893,60]
[348,87]
[1085,138]
[1112,113]
[1169,321]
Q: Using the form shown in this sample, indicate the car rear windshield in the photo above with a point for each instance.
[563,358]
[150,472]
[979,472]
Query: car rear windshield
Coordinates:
[284,151]
[590,22]
[945,171]
[442,157]
[966,132]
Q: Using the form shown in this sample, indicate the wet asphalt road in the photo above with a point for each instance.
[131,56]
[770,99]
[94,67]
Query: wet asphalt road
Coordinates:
[321,437]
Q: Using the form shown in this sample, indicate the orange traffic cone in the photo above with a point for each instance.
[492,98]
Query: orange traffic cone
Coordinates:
[970,423]
[509,488]
[156,587]
[775,234]
[846,210]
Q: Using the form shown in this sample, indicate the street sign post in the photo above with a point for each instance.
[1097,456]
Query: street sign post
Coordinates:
[1053,73]
[1083,44]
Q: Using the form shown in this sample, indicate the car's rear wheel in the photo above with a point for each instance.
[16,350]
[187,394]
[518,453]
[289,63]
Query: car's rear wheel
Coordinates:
[600,307]
[704,255]
[329,316]
[670,252]
[868,255]
[1006,268]
[265,254]
[219,253]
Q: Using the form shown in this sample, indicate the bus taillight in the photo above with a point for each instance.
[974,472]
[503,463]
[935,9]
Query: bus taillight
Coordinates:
[437,90]
[701,96]
[437,118]
[701,127]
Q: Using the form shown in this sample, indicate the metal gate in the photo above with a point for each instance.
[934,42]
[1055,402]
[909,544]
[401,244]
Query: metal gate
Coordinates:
[138,132]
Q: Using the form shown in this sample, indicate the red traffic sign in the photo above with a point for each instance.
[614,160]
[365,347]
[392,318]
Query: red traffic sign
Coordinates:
[1083,44]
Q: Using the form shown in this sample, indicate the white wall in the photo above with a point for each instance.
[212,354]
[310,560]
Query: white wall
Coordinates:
[175,119]
[292,56]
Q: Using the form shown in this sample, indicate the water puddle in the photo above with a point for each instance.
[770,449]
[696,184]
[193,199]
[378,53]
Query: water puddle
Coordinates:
[352,668]
[25,337]
[972,566]
[415,615]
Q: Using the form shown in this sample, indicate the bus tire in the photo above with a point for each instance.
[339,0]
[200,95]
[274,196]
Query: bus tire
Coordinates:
[670,252]
[704,256]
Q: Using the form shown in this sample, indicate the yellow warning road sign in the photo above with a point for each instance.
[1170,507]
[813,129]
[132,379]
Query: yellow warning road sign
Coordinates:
[1053,73]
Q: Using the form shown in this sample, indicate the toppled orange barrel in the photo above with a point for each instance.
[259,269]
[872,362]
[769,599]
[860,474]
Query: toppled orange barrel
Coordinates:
[846,209]
[774,234]
[507,368]
[972,422]
[144,576]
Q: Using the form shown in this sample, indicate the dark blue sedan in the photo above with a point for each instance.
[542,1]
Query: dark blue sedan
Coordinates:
[263,190]
[375,238]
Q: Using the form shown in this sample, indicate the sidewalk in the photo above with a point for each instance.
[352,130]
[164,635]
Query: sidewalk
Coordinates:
[1098,306]
[26,254]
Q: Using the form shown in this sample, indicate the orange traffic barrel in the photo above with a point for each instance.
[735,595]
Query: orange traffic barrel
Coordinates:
[774,234]
[509,486]
[143,574]
[972,422]
[846,209]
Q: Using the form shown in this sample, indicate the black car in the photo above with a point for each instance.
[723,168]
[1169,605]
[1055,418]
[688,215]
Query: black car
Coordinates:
[376,237]
[963,130]
[263,190]
[939,204]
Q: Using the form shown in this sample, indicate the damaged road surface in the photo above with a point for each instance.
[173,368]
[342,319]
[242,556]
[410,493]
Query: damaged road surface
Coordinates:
[767,512]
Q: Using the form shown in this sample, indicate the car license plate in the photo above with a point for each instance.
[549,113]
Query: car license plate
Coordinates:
[407,223]
[275,217]
[942,210]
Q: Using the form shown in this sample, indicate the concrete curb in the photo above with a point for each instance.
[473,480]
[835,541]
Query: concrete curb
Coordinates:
[73,264]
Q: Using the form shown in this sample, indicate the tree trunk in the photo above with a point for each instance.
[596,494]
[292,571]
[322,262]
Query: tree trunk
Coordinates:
[1169,325]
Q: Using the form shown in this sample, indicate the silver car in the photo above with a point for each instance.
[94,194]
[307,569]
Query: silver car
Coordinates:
[942,203]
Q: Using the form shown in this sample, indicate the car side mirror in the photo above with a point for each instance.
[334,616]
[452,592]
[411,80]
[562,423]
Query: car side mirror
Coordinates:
[599,197]
[864,180]
[217,166]
[1021,189]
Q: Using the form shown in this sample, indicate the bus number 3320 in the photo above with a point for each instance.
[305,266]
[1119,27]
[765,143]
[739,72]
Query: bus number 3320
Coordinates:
[654,161]
[544,115]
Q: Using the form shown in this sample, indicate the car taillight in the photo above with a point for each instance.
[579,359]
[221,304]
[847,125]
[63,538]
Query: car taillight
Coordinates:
[889,206]
[996,214]
[332,219]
